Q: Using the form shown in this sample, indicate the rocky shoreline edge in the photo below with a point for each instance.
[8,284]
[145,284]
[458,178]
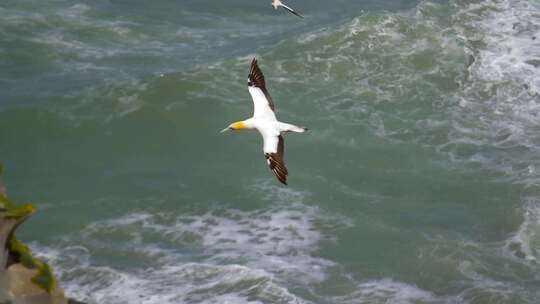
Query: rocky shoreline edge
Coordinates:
[23,278]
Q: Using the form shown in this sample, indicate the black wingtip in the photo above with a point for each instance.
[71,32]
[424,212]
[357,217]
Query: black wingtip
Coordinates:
[254,65]
[294,13]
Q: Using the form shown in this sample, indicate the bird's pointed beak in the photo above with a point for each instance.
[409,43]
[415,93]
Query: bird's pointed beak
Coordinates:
[225,130]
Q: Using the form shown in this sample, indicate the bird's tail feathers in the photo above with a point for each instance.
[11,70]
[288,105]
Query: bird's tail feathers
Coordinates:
[285,127]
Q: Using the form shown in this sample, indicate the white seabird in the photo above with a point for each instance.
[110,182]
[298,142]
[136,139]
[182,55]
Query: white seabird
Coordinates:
[278,3]
[264,120]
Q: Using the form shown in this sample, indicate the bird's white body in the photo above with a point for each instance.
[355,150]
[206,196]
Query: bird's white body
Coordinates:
[264,120]
[270,129]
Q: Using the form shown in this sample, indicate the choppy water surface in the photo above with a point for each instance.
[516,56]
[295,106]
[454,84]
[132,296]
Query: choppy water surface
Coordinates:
[418,182]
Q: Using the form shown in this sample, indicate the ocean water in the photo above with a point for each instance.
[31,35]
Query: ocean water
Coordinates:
[419,181]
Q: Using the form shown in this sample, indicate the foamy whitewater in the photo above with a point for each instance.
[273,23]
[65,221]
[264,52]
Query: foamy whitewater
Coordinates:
[417,183]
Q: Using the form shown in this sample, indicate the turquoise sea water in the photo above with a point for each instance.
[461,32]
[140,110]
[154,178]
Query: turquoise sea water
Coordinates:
[417,183]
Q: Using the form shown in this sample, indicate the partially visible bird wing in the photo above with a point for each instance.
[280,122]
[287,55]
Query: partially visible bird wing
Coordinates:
[275,160]
[262,101]
[291,10]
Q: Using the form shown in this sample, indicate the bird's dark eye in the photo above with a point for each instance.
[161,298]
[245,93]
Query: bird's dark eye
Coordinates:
[250,83]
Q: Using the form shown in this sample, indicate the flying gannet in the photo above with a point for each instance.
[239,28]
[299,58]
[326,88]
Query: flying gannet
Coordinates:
[264,120]
[278,3]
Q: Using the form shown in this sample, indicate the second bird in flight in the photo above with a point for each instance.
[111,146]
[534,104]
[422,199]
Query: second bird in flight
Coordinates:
[278,3]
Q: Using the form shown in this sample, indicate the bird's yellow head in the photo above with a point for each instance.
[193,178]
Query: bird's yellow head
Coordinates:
[239,125]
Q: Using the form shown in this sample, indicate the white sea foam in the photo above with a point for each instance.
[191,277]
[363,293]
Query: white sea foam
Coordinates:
[501,105]
[279,241]
[388,291]
[491,288]
[509,30]
[190,282]
[501,97]
[525,244]
[182,283]
[223,255]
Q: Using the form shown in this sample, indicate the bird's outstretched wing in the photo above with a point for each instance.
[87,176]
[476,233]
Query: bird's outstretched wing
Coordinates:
[263,106]
[275,160]
[291,10]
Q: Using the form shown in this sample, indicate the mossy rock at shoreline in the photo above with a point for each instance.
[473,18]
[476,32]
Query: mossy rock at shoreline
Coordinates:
[12,211]
[17,251]
[44,277]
